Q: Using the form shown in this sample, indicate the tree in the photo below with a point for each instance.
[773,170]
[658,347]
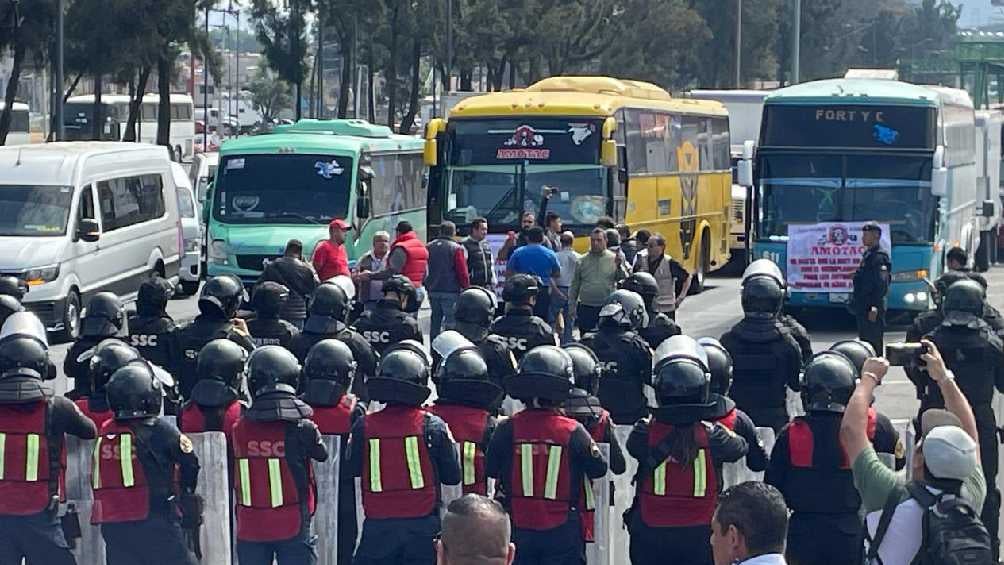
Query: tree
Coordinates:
[269,95]
[26,32]
[282,35]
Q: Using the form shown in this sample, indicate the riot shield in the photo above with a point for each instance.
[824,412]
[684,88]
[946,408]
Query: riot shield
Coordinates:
[214,488]
[90,547]
[326,518]
[598,552]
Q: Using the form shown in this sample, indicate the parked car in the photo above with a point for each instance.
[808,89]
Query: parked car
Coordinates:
[190,272]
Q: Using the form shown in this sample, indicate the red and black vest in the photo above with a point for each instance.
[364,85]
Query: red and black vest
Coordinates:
[587,503]
[801,444]
[192,418]
[270,504]
[99,417]
[335,420]
[729,419]
[27,477]
[541,482]
[674,494]
[121,488]
[468,427]
[418,257]
[399,480]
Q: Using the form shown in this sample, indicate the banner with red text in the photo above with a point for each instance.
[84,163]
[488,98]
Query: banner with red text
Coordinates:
[823,257]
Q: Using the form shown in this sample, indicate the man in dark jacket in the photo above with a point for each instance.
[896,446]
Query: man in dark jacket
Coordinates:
[480,265]
[871,284]
[446,277]
[292,272]
[267,327]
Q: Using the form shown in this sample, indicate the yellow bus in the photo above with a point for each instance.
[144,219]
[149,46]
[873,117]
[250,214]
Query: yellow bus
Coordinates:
[601,147]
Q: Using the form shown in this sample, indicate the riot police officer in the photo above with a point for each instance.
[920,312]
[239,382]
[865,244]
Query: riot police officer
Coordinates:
[215,404]
[680,457]
[473,315]
[542,490]
[467,397]
[975,354]
[391,320]
[14,287]
[768,268]
[275,436]
[724,410]
[29,522]
[765,356]
[328,311]
[808,465]
[871,284]
[8,305]
[152,331]
[624,356]
[219,301]
[328,373]
[519,327]
[401,453]
[583,405]
[102,361]
[138,498]
[105,318]
[660,327]
[267,328]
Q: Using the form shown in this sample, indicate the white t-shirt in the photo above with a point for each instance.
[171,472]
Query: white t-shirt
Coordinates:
[567,260]
[903,538]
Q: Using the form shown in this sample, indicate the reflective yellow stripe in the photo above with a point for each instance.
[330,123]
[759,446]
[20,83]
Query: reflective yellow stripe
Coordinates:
[125,460]
[700,474]
[275,482]
[553,468]
[31,459]
[244,468]
[470,450]
[526,462]
[414,462]
[375,484]
[96,475]
[590,501]
[659,480]
[3,454]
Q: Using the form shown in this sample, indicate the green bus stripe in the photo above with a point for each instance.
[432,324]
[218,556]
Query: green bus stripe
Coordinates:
[414,462]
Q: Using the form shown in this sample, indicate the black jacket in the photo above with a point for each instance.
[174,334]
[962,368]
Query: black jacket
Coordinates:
[626,362]
[301,280]
[195,336]
[523,331]
[386,324]
[157,339]
[871,280]
[271,331]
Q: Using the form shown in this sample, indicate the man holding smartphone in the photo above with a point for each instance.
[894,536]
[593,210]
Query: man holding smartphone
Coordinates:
[871,284]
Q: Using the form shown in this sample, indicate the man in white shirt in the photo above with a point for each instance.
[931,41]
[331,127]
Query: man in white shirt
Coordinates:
[750,526]
[568,259]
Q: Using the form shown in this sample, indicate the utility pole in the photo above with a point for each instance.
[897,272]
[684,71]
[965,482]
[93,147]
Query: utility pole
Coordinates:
[205,94]
[320,63]
[60,126]
[449,45]
[796,41]
[739,43]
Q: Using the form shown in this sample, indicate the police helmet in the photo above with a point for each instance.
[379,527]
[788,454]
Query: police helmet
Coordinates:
[107,357]
[401,285]
[682,381]
[764,268]
[222,295]
[463,378]
[328,372]
[613,238]
[272,368]
[944,282]
[828,382]
[13,286]
[105,316]
[134,392]
[474,312]
[24,348]
[585,367]
[644,284]
[624,309]
[856,350]
[153,296]
[520,288]
[545,372]
[719,365]
[329,302]
[8,305]
[403,377]
[964,297]
[268,299]
[222,360]
[762,297]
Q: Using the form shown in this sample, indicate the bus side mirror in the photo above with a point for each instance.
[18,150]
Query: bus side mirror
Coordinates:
[608,153]
[363,200]
[939,173]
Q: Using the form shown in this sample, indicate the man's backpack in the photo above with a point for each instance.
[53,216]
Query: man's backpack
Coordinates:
[952,531]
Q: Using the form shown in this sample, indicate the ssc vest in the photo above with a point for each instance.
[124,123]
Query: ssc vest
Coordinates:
[827,472]
[398,479]
[729,419]
[192,419]
[587,503]
[468,427]
[418,257]
[801,444]
[121,489]
[26,477]
[335,420]
[677,495]
[541,485]
[99,417]
[270,506]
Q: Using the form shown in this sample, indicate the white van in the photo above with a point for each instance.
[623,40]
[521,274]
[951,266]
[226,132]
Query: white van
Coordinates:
[78,218]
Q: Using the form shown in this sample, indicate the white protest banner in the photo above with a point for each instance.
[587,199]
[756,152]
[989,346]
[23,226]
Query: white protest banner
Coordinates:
[823,257]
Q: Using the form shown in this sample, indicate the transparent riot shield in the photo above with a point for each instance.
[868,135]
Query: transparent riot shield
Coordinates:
[623,495]
[326,518]
[598,552]
[90,547]
[214,488]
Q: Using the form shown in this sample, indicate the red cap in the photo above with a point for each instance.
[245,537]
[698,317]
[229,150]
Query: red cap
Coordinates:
[340,224]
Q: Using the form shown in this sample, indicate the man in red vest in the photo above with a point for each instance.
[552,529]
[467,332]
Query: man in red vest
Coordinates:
[144,478]
[327,375]
[408,256]
[106,358]
[541,458]
[810,467]
[215,405]
[274,443]
[33,423]
[402,453]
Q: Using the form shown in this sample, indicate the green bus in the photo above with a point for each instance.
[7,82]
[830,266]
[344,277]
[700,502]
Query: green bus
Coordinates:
[290,183]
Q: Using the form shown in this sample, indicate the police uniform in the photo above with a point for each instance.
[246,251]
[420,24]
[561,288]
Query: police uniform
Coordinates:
[660,327]
[105,318]
[267,328]
[151,330]
[386,324]
[33,423]
[798,332]
[215,404]
[106,358]
[522,331]
[675,499]
[402,454]
[274,443]
[871,284]
[474,312]
[145,474]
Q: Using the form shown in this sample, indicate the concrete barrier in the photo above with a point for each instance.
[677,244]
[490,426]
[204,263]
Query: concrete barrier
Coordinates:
[326,518]
[598,552]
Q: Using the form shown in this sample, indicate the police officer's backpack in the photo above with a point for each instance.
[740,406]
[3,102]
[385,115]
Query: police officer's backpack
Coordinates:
[952,530]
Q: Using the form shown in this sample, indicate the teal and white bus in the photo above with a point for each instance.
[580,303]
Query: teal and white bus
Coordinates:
[855,150]
[290,183]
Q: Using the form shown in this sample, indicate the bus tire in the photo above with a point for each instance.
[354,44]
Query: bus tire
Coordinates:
[703,260]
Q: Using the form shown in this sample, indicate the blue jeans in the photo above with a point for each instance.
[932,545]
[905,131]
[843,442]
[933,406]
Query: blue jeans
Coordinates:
[559,304]
[443,305]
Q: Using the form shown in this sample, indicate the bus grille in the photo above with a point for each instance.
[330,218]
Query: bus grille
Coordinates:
[254,262]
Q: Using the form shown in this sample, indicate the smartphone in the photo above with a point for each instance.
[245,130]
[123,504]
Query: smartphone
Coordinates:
[905,354]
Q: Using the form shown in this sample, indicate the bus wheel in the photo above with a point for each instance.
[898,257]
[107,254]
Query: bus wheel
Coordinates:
[697,283]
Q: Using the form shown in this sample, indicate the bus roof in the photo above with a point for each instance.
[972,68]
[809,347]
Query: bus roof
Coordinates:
[125,98]
[581,96]
[855,91]
[323,136]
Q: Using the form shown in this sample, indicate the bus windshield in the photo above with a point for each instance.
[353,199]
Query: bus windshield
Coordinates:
[34,210]
[830,188]
[501,193]
[290,189]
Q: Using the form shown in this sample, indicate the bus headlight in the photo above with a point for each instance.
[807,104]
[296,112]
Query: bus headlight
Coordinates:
[218,251]
[915,297]
[907,276]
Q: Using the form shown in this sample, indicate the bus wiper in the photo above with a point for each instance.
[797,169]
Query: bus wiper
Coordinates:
[294,215]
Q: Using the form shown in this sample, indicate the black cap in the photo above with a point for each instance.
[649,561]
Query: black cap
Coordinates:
[871,226]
